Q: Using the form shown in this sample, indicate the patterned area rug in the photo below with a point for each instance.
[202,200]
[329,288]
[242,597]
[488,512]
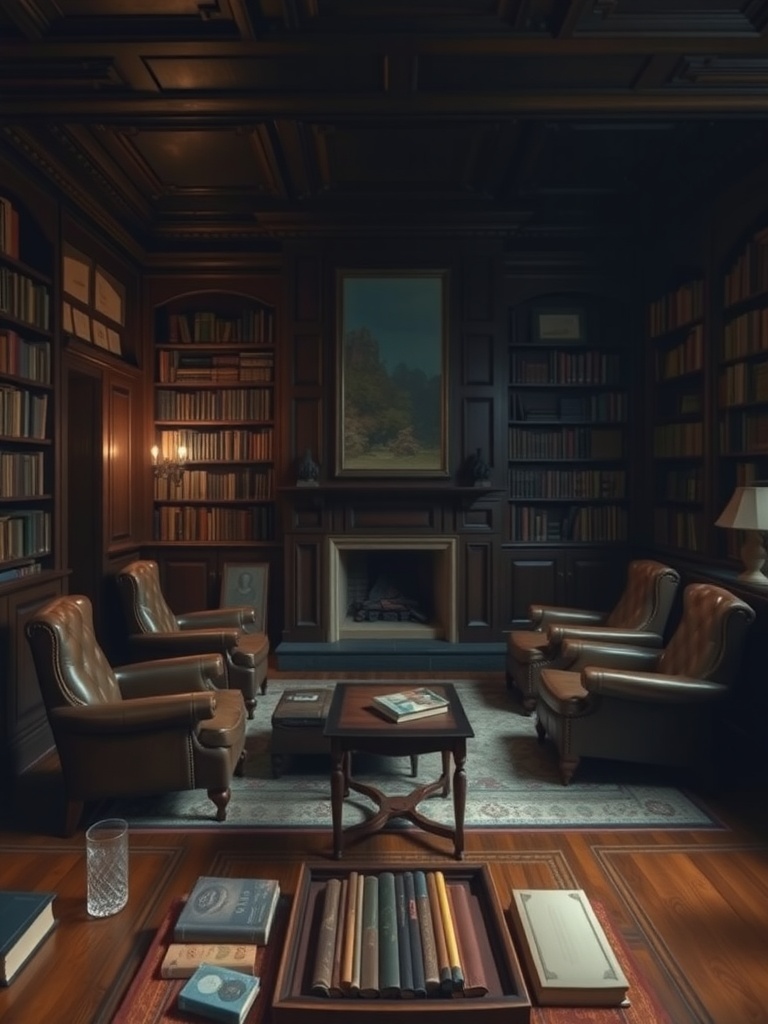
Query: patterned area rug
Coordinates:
[513,781]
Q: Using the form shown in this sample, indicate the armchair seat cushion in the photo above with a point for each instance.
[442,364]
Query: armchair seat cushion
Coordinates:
[526,645]
[227,726]
[252,650]
[562,692]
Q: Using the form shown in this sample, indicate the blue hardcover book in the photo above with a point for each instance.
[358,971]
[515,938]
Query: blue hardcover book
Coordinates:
[403,939]
[228,909]
[219,994]
[25,920]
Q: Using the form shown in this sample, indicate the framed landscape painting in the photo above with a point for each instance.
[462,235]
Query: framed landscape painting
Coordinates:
[245,583]
[392,386]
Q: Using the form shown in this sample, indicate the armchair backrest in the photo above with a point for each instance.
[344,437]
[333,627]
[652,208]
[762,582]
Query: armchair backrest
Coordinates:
[71,667]
[648,597]
[709,639]
[145,608]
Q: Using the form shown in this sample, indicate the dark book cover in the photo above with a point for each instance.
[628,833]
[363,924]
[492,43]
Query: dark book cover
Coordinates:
[389,959]
[417,957]
[219,994]
[326,939]
[218,909]
[426,928]
[403,939]
[26,918]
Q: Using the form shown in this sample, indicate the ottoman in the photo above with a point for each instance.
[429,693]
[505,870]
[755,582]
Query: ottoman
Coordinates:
[297,725]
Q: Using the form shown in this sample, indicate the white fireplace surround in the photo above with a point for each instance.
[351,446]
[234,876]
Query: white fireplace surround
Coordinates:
[443,627]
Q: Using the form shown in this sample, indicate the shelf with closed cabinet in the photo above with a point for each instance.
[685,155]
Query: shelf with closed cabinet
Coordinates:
[567,427]
[27,470]
[678,410]
[214,410]
[742,377]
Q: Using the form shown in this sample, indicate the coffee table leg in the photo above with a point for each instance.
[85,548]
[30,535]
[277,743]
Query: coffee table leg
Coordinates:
[338,787]
[459,798]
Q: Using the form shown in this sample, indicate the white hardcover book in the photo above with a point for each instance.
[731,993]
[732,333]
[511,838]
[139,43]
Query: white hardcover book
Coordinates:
[566,951]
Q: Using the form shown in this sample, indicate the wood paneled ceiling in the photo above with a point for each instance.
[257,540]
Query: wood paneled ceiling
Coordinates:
[247,121]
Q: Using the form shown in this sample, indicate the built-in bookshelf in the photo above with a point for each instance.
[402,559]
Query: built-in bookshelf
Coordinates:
[26,396]
[742,377]
[214,401]
[677,385]
[567,445]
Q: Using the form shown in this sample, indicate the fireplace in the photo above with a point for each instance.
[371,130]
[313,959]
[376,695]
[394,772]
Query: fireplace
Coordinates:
[422,571]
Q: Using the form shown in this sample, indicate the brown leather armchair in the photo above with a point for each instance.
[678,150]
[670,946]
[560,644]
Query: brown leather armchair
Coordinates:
[639,704]
[139,729]
[640,617]
[155,632]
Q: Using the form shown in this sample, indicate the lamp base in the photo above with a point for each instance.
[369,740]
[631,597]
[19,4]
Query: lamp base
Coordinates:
[753,555]
[753,576]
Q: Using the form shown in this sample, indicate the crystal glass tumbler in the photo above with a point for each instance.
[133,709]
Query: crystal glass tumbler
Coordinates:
[106,850]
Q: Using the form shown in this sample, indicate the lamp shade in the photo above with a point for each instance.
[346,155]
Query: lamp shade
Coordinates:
[747,509]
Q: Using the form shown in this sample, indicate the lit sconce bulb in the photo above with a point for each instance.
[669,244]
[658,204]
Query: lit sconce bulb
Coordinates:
[154,451]
[182,453]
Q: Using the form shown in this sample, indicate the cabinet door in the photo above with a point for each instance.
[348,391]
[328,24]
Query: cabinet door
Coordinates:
[595,579]
[534,575]
[188,580]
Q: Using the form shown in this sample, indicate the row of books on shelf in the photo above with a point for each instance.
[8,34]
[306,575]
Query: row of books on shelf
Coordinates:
[748,274]
[678,439]
[18,572]
[22,474]
[21,357]
[742,383]
[396,934]
[746,334]
[570,484]
[588,524]
[174,366]
[251,326]
[24,298]
[193,523]
[9,228]
[679,529]
[25,533]
[745,431]
[217,485]
[686,357]
[682,485]
[22,413]
[565,443]
[555,366]
[676,308]
[220,444]
[229,404]
[542,406]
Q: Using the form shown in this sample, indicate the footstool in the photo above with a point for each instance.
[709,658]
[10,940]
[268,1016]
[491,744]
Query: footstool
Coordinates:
[297,725]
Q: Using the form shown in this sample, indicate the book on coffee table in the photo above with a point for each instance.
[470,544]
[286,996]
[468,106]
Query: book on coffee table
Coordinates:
[569,958]
[406,705]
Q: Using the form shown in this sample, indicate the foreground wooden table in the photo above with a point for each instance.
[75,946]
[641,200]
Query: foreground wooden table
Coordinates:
[354,725]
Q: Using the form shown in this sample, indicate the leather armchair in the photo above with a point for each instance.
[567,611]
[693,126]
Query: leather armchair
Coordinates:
[639,617]
[639,704]
[155,632]
[139,729]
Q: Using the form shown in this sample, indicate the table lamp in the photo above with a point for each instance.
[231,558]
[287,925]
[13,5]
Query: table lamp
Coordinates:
[748,510]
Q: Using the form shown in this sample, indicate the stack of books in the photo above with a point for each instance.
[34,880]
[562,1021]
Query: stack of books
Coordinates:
[408,705]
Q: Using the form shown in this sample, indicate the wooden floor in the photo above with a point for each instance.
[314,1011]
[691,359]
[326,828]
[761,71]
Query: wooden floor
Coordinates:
[692,905]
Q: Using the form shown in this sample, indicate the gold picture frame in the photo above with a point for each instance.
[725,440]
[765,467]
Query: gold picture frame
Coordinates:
[392,382]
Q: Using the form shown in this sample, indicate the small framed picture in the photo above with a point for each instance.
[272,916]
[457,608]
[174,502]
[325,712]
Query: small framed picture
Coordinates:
[246,584]
[558,324]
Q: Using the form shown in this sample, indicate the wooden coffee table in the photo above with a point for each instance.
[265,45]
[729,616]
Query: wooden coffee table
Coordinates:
[353,724]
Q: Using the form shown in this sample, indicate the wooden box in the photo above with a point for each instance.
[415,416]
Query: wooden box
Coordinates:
[507,1001]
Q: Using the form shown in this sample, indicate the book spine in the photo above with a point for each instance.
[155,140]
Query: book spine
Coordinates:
[404,940]
[443,962]
[389,963]
[475,982]
[326,941]
[358,951]
[336,990]
[417,957]
[350,916]
[426,929]
[457,976]
[369,966]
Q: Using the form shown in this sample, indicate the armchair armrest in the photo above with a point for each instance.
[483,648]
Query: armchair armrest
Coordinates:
[543,615]
[599,634]
[181,642]
[579,654]
[182,675]
[134,716]
[218,618]
[650,686]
